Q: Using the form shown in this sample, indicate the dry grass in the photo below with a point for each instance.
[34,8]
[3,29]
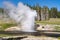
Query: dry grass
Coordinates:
[6,24]
[51,21]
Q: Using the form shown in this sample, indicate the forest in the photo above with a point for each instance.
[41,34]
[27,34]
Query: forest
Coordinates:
[53,12]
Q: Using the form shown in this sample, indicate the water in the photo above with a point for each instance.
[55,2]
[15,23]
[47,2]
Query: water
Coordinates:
[22,14]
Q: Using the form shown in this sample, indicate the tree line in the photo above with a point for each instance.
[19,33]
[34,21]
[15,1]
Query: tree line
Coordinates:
[53,12]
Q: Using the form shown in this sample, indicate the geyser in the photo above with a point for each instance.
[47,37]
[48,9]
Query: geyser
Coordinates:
[22,14]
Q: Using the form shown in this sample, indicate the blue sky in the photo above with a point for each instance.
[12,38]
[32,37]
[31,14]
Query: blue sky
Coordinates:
[49,3]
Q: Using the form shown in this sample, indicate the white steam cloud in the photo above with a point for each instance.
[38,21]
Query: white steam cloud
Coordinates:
[22,14]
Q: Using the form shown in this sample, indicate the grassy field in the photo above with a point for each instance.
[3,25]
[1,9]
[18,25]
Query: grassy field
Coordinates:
[10,23]
[4,24]
[50,21]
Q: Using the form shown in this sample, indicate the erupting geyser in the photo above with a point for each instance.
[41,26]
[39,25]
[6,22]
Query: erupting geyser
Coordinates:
[22,14]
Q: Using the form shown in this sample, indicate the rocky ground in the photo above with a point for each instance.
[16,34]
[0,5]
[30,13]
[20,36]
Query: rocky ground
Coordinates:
[40,38]
[30,37]
[48,27]
[40,27]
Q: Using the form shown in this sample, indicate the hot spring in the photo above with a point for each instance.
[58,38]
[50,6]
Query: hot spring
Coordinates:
[23,15]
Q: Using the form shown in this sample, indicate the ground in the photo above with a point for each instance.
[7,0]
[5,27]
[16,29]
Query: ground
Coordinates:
[30,37]
[40,38]
[52,21]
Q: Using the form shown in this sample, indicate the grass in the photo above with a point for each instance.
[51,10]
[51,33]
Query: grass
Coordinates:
[7,25]
[4,35]
[58,38]
[10,35]
[51,21]
[57,28]
[10,24]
